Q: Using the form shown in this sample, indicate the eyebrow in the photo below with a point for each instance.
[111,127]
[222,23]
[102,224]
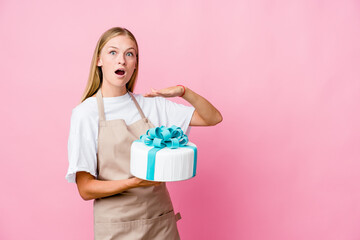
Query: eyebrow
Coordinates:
[118,48]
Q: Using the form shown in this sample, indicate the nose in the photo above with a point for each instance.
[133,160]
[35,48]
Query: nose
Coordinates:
[121,59]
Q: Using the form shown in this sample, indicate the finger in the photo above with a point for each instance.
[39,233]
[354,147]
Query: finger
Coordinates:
[153,93]
[166,92]
[150,95]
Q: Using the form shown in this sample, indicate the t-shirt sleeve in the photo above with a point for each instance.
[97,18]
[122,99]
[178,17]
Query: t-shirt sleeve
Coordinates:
[82,147]
[175,114]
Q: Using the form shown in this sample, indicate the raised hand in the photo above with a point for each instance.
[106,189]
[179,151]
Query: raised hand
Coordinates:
[205,113]
[166,92]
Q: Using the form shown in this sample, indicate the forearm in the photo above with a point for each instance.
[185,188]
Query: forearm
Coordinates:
[94,188]
[203,107]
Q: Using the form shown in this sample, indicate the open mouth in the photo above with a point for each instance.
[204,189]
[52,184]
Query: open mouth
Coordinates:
[120,72]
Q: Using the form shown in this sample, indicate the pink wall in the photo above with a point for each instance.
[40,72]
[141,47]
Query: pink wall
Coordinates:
[284,163]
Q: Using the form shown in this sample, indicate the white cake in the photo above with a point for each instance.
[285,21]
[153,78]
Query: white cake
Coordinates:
[168,164]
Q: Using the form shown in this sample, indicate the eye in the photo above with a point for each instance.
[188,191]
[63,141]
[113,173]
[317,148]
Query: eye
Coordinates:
[111,52]
[130,53]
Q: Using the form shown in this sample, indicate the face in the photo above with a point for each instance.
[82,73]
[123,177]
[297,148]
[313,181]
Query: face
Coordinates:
[118,61]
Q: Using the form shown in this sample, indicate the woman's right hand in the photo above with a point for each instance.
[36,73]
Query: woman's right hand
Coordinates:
[91,188]
[138,182]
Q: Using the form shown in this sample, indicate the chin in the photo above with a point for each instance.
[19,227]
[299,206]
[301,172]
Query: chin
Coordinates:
[119,83]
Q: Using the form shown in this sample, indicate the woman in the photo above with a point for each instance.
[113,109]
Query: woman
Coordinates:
[103,126]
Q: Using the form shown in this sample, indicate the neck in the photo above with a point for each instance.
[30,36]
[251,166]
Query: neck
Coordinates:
[112,91]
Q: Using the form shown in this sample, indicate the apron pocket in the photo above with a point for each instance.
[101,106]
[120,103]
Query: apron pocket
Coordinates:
[160,227]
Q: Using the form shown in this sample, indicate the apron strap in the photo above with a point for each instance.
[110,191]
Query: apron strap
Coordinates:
[100,104]
[137,106]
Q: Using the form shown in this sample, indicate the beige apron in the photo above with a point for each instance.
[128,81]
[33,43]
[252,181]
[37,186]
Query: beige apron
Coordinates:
[138,213]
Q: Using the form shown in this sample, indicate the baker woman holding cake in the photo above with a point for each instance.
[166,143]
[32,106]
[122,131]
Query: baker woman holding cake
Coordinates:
[108,120]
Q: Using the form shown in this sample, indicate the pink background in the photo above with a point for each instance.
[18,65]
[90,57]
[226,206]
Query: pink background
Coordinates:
[283,164]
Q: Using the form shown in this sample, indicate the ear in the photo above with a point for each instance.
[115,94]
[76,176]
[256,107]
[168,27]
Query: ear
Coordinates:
[99,63]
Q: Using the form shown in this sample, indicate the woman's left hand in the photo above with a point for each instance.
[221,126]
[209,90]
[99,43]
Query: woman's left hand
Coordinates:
[205,113]
[166,92]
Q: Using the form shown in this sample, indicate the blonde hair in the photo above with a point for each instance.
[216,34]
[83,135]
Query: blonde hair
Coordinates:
[95,76]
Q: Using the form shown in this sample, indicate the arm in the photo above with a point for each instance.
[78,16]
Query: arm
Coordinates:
[205,113]
[91,188]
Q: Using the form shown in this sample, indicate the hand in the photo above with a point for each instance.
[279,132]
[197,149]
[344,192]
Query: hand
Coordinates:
[166,92]
[138,182]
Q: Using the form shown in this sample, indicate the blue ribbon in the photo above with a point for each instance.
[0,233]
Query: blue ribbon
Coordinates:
[160,137]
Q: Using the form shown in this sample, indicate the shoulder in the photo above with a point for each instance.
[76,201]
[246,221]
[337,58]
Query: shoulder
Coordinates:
[86,110]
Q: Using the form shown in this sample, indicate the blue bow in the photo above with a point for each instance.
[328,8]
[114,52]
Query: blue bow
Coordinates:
[160,137]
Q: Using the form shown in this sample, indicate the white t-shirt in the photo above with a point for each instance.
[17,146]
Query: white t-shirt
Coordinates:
[82,142]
